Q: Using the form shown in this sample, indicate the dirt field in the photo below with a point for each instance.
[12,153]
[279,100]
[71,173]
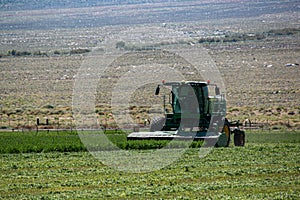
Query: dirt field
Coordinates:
[257,57]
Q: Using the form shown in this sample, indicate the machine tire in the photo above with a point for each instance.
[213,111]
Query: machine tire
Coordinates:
[224,139]
[157,124]
[239,138]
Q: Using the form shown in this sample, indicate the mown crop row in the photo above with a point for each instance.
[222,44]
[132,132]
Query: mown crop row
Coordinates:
[257,171]
[66,141]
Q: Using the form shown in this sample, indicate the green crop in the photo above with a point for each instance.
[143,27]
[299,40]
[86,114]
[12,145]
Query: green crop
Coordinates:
[43,141]
[66,141]
[264,169]
[269,171]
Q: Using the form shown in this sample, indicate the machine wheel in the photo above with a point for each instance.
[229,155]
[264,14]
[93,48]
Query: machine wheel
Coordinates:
[239,138]
[157,124]
[224,139]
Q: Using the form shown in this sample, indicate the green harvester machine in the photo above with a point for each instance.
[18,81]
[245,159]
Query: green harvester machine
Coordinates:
[192,113]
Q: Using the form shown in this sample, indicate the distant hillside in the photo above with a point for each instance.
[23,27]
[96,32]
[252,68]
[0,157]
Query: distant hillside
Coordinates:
[53,14]
[50,4]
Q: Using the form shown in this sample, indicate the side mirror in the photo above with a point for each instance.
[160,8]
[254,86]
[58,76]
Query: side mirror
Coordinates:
[217,91]
[157,90]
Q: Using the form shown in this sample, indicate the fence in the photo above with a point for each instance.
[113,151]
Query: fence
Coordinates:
[248,125]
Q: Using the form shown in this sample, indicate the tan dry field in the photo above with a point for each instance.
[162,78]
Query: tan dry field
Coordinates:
[259,85]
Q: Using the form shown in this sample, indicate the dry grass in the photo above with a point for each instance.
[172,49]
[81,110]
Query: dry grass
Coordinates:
[42,87]
[259,85]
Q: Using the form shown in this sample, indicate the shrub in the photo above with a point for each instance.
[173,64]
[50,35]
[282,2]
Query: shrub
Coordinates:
[23,53]
[79,51]
[48,106]
[120,45]
[56,52]
[285,31]
[19,53]
[39,53]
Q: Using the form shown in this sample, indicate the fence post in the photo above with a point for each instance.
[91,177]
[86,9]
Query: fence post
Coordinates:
[37,124]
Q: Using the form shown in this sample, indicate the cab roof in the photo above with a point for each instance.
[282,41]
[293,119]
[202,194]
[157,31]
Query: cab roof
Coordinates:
[191,83]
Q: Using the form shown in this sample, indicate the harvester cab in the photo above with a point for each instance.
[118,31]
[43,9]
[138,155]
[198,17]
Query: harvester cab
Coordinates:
[194,110]
[191,107]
